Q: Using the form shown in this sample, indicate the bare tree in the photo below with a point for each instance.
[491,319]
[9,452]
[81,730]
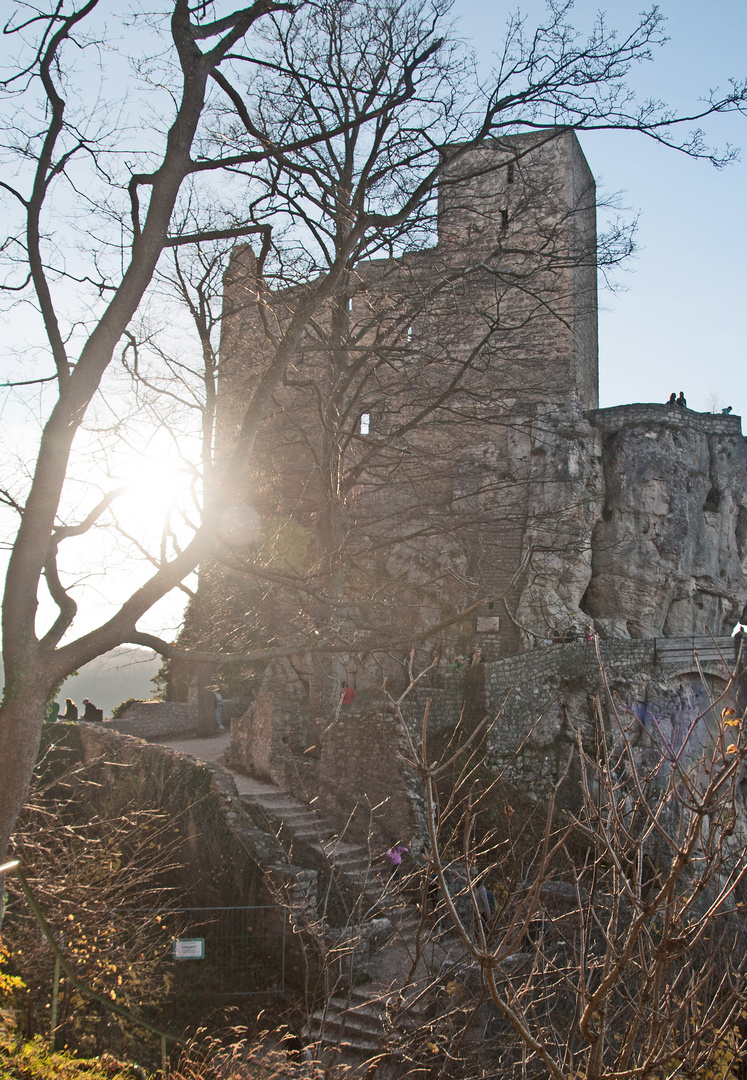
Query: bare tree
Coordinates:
[616,944]
[222,73]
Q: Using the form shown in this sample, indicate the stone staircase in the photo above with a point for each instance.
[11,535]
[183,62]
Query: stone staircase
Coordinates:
[351,1025]
[294,822]
[354,1026]
[362,1024]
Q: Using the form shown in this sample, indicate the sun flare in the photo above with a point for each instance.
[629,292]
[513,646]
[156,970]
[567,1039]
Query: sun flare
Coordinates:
[157,492]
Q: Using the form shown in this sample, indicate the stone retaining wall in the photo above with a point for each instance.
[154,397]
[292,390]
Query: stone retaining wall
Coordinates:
[537,701]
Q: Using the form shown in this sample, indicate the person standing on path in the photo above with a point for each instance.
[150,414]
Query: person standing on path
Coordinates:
[394,855]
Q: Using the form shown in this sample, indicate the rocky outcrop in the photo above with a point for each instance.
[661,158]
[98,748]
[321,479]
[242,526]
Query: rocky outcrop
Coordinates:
[668,551]
[558,460]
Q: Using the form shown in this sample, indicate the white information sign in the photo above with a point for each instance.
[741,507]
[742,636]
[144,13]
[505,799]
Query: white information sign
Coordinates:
[189,948]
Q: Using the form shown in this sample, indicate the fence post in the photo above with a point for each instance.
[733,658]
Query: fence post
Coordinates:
[55,995]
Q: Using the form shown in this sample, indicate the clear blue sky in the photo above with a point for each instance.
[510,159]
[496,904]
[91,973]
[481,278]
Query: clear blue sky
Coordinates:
[679,323]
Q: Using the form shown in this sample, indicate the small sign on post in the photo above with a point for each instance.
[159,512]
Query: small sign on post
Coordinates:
[189,948]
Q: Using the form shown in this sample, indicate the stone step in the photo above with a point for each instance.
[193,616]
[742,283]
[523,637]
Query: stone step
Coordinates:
[360,1021]
[355,1023]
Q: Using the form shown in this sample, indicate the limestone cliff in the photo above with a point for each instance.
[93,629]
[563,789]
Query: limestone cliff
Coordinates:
[668,551]
[637,523]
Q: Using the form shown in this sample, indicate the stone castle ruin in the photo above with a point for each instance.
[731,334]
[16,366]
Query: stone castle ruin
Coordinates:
[435,476]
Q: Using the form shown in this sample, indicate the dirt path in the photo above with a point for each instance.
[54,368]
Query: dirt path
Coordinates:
[214,748]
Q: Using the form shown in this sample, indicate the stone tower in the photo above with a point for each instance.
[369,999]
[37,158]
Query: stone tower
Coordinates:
[423,434]
[435,472]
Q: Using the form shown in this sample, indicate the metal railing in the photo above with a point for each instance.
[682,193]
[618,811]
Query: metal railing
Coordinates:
[61,964]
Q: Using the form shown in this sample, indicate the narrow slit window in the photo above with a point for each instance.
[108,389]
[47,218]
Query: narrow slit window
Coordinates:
[504,220]
[365,425]
[510,177]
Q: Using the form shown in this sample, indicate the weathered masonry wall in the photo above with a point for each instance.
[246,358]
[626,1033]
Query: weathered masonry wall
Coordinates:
[348,764]
[538,701]
[477,438]
[616,417]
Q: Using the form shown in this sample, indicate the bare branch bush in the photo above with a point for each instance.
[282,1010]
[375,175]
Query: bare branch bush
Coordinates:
[616,944]
[101,870]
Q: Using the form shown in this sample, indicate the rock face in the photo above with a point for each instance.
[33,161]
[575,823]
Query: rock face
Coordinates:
[559,459]
[668,550]
[637,523]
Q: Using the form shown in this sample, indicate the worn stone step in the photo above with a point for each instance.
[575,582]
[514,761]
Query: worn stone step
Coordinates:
[344,847]
[299,820]
[340,1031]
[356,1022]
[354,861]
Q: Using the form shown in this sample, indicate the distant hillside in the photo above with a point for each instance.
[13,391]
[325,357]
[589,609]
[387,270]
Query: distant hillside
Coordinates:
[126,672]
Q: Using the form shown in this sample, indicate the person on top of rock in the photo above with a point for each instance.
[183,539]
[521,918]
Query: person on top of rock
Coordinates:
[682,400]
[91,713]
[672,399]
[70,714]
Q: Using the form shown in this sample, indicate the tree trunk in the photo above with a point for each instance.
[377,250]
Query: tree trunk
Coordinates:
[206,724]
[21,720]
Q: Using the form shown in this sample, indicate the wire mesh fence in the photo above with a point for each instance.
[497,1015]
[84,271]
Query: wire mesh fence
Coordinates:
[210,951]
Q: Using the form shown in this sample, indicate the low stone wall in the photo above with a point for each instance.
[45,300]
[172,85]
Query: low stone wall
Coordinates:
[159,720]
[223,857]
[619,416]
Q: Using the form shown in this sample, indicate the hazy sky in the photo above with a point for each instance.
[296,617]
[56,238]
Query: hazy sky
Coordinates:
[676,321]
[679,323]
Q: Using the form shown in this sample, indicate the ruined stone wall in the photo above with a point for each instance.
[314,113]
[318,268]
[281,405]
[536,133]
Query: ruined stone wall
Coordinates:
[467,378]
[361,778]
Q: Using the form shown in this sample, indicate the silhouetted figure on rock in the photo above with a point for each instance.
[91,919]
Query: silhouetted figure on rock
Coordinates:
[70,714]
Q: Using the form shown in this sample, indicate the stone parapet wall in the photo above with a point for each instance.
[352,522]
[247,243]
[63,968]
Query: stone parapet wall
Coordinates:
[157,720]
[220,841]
[517,686]
[619,416]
